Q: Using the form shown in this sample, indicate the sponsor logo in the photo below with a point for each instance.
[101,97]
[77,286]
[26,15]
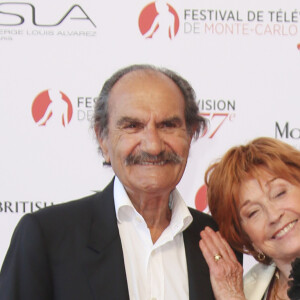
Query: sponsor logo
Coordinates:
[201,198]
[217,113]
[286,131]
[25,19]
[22,206]
[52,107]
[159,20]
[14,14]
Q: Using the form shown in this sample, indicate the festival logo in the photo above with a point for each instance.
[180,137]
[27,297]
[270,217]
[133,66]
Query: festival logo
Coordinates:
[52,108]
[217,113]
[240,22]
[201,198]
[159,20]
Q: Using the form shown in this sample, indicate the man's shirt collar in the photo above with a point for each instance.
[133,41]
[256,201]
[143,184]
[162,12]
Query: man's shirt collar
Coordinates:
[125,211]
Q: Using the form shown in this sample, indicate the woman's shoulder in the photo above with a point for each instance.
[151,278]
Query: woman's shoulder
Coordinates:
[257,280]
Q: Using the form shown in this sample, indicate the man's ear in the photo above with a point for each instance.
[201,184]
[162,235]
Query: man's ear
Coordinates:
[191,134]
[193,131]
[103,144]
[104,149]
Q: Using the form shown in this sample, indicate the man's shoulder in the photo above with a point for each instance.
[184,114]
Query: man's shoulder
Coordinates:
[78,206]
[201,219]
[58,219]
[68,220]
[69,207]
[75,213]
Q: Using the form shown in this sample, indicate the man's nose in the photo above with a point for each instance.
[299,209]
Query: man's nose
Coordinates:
[152,141]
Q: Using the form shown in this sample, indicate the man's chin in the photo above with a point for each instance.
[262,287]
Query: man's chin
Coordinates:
[156,187]
[156,179]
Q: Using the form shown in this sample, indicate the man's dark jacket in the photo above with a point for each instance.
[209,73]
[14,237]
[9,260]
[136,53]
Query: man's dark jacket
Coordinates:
[73,251]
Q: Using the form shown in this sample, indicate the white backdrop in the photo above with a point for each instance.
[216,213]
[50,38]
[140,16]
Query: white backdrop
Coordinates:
[241,57]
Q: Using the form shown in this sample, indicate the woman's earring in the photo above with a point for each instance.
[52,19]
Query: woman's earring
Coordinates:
[261,256]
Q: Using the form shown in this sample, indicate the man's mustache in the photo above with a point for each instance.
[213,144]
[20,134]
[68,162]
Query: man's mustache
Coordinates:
[145,158]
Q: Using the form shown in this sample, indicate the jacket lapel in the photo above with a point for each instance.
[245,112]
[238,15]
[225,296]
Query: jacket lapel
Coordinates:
[198,272]
[104,261]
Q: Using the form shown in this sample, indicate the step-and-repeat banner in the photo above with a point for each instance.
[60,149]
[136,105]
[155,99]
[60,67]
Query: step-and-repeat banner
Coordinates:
[242,58]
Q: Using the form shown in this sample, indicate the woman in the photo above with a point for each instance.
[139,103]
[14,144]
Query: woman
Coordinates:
[254,195]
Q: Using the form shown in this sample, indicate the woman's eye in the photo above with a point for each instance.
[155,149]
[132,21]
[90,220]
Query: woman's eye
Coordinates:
[252,214]
[280,193]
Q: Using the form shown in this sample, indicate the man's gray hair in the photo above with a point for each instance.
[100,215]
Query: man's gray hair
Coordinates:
[194,122]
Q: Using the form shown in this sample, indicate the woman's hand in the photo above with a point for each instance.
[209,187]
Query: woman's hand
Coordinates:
[226,273]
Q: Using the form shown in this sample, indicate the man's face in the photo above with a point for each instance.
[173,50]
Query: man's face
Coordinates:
[147,142]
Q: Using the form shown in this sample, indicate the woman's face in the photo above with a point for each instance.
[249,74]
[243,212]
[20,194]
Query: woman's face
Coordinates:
[270,214]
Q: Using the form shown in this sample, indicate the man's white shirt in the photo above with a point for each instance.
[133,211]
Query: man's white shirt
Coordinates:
[154,271]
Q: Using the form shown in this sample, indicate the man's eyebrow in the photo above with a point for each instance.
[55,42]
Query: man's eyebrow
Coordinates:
[124,120]
[174,119]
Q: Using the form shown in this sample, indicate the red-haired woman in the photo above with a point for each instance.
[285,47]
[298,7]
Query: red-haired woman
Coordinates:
[254,195]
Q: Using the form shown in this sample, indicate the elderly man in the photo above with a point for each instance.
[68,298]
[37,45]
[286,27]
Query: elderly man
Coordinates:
[136,239]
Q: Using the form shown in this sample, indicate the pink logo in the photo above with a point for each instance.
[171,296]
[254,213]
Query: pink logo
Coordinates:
[159,20]
[52,107]
[201,198]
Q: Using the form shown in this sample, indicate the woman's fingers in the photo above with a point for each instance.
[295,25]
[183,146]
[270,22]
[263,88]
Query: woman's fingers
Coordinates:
[226,273]
[214,243]
[207,252]
[227,247]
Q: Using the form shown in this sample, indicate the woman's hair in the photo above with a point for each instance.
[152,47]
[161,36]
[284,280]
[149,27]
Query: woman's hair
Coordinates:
[224,178]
